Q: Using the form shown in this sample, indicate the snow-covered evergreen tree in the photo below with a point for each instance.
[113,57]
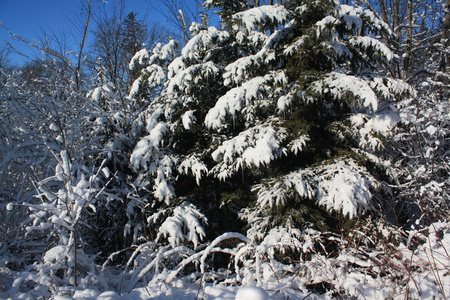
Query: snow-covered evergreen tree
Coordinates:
[276,118]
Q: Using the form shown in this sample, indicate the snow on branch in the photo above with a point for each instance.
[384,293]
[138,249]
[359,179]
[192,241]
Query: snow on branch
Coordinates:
[150,156]
[65,197]
[254,147]
[266,17]
[240,70]
[160,54]
[367,43]
[341,186]
[203,41]
[187,119]
[155,77]
[185,80]
[144,148]
[184,225]
[325,24]
[163,166]
[345,187]
[297,145]
[166,52]
[357,18]
[139,59]
[339,48]
[244,68]
[239,97]
[105,91]
[370,126]
[275,193]
[347,88]
[351,16]
[193,165]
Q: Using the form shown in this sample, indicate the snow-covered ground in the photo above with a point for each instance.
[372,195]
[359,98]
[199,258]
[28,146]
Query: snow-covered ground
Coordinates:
[418,269]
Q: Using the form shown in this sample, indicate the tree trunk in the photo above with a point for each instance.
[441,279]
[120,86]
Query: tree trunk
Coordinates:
[75,258]
[82,45]
[409,33]
[396,18]
[446,37]
[447,21]
[384,15]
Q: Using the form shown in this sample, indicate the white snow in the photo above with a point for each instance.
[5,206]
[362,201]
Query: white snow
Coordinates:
[156,75]
[184,81]
[135,87]
[298,144]
[144,148]
[203,41]
[325,23]
[105,91]
[294,47]
[256,146]
[346,187]
[240,97]
[275,193]
[431,130]
[355,272]
[175,67]
[369,126]
[184,225]
[139,58]
[188,118]
[53,126]
[260,18]
[339,85]
[166,52]
[270,261]
[351,16]
[193,164]
[251,293]
[367,42]
[241,69]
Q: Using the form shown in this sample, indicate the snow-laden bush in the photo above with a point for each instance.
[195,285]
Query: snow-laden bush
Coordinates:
[423,152]
[371,261]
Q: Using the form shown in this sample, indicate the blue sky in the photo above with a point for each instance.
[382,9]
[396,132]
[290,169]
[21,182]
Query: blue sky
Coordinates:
[28,18]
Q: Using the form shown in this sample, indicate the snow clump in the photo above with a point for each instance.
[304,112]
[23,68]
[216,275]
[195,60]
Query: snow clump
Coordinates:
[251,293]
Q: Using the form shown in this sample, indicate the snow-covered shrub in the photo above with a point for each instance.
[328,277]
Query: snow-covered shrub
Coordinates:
[423,156]
[371,260]
[58,267]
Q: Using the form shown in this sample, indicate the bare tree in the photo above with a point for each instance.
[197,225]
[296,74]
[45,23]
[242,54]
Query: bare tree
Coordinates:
[181,15]
[4,64]
[107,45]
[117,37]
[4,60]
[418,26]
[73,60]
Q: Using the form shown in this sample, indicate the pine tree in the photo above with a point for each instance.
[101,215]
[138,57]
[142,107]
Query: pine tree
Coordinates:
[227,8]
[116,39]
[276,119]
[134,34]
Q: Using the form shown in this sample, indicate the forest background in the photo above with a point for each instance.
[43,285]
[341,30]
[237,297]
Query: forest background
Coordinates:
[299,146]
